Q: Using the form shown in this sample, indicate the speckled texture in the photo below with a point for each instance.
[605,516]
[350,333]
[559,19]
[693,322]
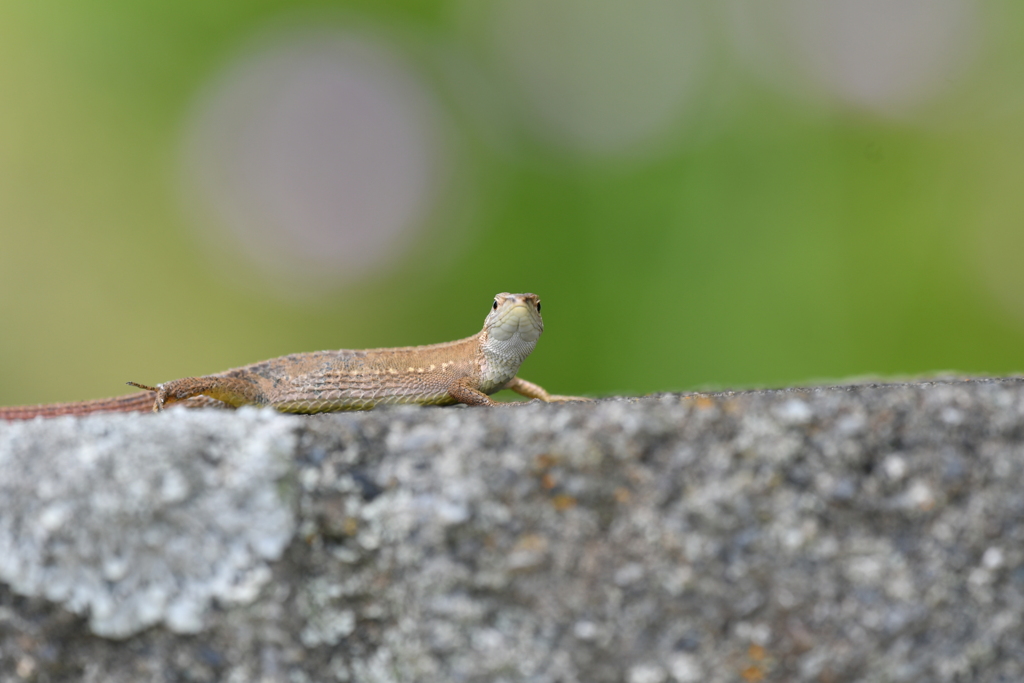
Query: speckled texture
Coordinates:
[136,521]
[871,533]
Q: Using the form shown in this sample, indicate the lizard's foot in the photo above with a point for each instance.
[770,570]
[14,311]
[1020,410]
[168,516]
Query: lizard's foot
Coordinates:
[169,393]
[190,392]
[158,400]
[531,390]
[463,393]
[232,391]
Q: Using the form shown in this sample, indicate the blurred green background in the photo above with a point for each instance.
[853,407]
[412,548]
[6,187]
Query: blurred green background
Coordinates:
[727,194]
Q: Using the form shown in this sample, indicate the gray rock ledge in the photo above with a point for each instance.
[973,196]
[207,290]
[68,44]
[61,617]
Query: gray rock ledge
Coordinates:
[869,533]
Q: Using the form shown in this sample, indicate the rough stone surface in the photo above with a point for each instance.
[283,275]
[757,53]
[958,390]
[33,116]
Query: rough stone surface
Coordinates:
[869,533]
[105,517]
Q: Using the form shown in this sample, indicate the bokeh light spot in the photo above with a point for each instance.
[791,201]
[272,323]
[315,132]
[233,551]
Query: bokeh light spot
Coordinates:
[611,77]
[885,56]
[318,154]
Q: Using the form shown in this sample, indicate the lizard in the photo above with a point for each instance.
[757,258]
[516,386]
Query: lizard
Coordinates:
[464,371]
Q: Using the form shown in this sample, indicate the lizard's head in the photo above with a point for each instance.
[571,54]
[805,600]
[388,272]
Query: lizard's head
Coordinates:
[513,325]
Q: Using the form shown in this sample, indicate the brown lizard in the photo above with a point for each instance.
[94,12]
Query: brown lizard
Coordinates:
[464,371]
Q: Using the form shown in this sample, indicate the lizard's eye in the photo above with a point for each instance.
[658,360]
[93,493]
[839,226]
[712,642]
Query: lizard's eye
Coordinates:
[538,307]
[495,306]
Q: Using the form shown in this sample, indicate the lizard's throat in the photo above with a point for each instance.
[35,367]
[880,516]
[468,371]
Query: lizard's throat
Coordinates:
[503,358]
[513,350]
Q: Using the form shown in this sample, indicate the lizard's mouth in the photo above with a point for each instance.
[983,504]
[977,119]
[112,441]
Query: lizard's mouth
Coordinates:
[519,320]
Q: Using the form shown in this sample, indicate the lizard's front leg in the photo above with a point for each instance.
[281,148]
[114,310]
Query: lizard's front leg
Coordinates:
[463,393]
[234,391]
[531,390]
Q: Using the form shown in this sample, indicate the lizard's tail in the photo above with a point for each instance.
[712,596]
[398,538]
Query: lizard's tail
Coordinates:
[140,402]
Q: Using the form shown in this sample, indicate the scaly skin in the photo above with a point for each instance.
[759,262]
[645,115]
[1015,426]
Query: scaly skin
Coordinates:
[465,371]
